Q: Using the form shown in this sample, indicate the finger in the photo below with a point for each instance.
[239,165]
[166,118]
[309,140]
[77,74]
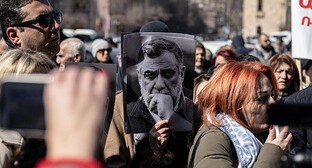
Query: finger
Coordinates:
[286,143]
[51,88]
[151,96]
[163,141]
[56,79]
[163,130]
[284,132]
[159,138]
[99,90]
[165,135]
[289,137]
[101,85]
[160,124]
[272,134]
[85,81]
[152,105]
[285,129]
[69,76]
[66,82]
[56,75]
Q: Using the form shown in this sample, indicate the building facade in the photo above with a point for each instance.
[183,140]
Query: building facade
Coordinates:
[265,16]
[221,16]
[87,14]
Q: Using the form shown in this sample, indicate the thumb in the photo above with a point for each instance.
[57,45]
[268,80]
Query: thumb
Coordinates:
[272,134]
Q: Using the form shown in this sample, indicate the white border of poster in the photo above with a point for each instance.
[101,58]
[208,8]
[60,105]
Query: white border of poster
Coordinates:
[301,28]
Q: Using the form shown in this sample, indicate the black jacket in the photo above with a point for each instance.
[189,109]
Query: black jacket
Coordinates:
[302,137]
[239,44]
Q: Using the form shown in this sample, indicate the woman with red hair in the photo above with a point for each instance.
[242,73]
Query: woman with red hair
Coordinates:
[223,56]
[234,104]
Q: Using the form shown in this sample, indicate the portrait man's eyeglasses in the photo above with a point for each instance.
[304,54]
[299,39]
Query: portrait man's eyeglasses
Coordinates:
[44,20]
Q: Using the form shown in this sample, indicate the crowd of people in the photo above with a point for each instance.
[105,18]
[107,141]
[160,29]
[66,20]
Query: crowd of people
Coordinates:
[227,126]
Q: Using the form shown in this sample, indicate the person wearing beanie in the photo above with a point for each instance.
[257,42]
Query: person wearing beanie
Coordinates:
[155,26]
[239,44]
[101,51]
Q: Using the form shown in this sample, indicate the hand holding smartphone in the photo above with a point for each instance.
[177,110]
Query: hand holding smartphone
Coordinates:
[21,101]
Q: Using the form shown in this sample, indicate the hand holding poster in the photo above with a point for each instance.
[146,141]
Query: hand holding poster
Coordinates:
[301,28]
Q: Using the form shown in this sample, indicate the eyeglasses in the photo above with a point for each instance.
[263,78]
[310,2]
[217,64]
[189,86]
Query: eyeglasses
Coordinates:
[44,20]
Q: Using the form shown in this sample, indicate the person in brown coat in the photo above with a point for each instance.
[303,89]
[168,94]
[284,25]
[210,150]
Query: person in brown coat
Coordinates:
[119,146]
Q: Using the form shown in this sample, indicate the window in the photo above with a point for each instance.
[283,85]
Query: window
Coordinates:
[80,5]
[259,5]
[259,30]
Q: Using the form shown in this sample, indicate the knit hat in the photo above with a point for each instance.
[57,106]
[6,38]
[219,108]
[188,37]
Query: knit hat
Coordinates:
[155,26]
[99,44]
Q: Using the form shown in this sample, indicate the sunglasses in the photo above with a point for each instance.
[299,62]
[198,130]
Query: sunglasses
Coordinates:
[106,49]
[44,20]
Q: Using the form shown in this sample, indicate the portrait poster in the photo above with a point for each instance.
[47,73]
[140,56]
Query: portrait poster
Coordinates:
[159,80]
[301,25]
[110,69]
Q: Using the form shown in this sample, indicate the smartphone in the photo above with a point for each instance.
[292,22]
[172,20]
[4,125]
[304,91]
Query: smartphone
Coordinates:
[295,115]
[21,103]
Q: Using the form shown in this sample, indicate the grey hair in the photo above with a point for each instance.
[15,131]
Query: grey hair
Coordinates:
[76,47]
[156,47]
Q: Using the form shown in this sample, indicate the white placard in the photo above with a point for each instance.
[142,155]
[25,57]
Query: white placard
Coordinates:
[301,28]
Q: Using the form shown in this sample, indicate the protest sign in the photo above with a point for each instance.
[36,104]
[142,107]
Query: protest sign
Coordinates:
[301,28]
[160,72]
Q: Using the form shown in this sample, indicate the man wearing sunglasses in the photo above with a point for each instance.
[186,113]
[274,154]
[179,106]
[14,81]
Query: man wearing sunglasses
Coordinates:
[31,24]
[34,25]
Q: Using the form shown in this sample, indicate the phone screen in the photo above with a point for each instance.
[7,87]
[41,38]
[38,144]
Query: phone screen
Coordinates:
[295,115]
[22,106]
